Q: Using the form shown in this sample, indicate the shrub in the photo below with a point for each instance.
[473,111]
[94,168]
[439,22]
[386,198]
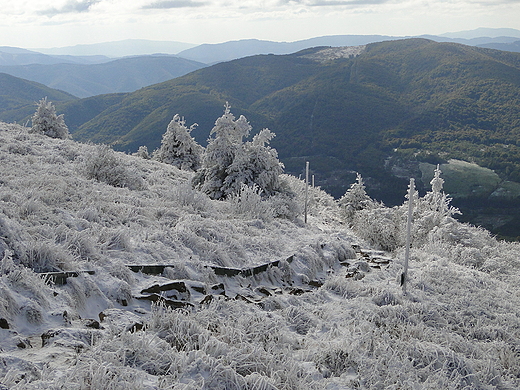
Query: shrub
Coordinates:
[105,166]
[248,203]
[45,121]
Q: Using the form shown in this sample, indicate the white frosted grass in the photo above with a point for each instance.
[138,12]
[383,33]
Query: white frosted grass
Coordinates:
[457,328]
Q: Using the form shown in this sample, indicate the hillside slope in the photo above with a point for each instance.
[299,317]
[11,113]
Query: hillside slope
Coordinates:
[246,301]
[18,97]
[408,100]
[122,75]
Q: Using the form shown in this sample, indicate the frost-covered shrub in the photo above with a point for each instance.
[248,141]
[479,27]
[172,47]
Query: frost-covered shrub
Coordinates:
[432,212]
[142,152]
[220,154]
[105,166]
[335,362]
[249,203]
[45,257]
[380,227]
[178,147]
[178,328]
[185,195]
[255,164]
[114,239]
[45,121]
[319,203]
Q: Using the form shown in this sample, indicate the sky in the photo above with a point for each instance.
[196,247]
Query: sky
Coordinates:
[58,23]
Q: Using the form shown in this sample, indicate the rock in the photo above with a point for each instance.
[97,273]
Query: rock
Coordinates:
[316,283]
[218,288]
[4,324]
[135,327]
[264,290]
[239,297]
[157,288]
[207,299]
[296,291]
[70,337]
[91,323]
[23,343]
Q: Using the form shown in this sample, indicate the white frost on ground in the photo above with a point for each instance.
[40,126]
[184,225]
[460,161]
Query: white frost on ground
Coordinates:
[328,318]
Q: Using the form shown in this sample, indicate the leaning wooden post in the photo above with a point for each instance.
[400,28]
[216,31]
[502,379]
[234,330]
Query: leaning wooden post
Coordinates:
[411,193]
[306,188]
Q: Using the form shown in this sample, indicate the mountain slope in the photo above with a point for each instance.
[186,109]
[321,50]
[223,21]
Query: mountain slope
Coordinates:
[161,287]
[227,51]
[360,109]
[18,97]
[123,75]
[390,92]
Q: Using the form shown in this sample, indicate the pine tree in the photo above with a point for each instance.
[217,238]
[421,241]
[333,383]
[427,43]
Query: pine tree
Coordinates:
[256,165]
[45,121]
[433,210]
[229,163]
[355,199]
[178,147]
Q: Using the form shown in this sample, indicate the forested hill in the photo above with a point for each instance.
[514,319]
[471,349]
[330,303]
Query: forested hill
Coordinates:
[409,100]
[18,96]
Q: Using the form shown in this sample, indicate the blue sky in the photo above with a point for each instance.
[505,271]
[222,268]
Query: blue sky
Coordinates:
[56,23]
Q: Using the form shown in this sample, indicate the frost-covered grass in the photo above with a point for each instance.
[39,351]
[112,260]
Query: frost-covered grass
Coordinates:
[61,209]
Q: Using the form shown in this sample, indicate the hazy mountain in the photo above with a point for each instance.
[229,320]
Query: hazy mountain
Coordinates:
[513,46]
[484,32]
[18,97]
[128,47]
[212,53]
[122,75]
[10,56]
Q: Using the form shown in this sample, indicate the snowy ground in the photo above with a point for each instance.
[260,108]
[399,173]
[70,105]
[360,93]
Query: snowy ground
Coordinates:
[329,314]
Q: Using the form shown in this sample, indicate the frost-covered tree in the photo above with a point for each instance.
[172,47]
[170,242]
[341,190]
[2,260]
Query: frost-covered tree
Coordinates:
[229,163]
[433,211]
[256,164]
[45,121]
[178,147]
[355,199]
[142,152]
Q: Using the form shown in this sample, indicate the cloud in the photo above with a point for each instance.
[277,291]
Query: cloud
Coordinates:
[321,3]
[328,3]
[71,6]
[167,4]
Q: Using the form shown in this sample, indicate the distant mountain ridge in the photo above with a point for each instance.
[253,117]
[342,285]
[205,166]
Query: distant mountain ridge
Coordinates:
[12,56]
[121,75]
[484,32]
[63,68]
[124,48]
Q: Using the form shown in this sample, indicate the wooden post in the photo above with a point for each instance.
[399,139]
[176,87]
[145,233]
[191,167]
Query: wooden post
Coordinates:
[411,192]
[306,188]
